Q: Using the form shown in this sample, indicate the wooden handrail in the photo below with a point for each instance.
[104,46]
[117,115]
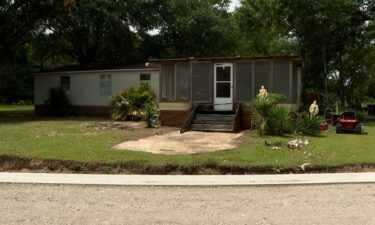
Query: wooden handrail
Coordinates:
[186,125]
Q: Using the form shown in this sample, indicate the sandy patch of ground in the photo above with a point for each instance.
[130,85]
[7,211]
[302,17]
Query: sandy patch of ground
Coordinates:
[186,143]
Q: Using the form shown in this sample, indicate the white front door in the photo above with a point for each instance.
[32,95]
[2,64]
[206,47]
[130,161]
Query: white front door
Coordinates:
[223,86]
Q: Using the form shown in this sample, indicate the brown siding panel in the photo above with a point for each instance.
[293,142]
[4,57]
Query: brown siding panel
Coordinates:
[245,119]
[173,117]
[40,110]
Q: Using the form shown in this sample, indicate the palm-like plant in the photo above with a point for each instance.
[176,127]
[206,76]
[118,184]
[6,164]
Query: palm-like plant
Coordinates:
[264,105]
[130,102]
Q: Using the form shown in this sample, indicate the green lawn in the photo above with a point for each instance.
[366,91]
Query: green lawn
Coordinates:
[10,108]
[76,139]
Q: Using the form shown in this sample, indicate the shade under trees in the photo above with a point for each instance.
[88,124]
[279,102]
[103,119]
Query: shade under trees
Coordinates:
[336,39]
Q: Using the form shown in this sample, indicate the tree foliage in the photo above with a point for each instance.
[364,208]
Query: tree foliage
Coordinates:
[333,40]
[196,28]
[336,39]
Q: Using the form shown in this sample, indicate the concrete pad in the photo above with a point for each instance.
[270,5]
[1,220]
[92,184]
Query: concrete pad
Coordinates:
[186,143]
[187,180]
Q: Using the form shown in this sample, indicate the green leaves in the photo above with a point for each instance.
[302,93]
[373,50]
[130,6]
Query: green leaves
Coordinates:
[148,112]
[130,102]
[263,109]
[196,28]
[308,124]
[58,103]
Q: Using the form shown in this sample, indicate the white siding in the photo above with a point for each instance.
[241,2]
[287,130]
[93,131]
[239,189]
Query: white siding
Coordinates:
[85,87]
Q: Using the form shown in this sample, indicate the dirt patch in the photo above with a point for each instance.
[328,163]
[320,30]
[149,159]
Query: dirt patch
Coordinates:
[186,143]
[137,128]
[30,164]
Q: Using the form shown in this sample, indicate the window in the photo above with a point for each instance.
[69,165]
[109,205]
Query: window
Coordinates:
[105,85]
[65,84]
[145,77]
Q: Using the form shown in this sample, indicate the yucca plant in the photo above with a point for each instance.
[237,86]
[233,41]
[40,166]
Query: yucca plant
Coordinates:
[281,121]
[308,124]
[263,107]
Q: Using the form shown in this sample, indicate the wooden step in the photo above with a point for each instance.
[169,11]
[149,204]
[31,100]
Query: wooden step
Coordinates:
[212,127]
[225,122]
[224,112]
[214,117]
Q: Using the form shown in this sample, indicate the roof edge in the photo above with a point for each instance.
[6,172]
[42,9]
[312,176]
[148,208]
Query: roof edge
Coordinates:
[231,58]
[98,68]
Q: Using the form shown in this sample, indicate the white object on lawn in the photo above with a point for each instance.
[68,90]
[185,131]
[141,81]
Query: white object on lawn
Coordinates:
[298,143]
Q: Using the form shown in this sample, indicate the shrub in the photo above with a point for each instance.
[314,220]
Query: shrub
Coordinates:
[281,121]
[272,119]
[120,109]
[264,105]
[128,103]
[308,124]
[58,103]
[148,111]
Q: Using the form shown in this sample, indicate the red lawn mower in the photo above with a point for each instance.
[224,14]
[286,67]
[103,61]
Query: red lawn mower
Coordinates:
[349,123]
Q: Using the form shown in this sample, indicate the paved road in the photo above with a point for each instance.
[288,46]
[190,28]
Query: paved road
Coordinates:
[71,204]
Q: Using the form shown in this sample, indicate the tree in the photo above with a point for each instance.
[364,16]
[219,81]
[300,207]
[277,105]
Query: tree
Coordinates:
[19,19]
[98,32]
[196,29]
[262,30]
[331,37]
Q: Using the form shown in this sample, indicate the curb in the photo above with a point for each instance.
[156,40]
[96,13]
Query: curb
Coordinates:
[187,180]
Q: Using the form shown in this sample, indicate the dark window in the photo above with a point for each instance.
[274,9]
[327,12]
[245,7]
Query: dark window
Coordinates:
[145,77]
[65,84]
[223,90]
[223,73]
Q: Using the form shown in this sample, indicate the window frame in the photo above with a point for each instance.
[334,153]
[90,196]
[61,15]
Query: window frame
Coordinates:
[144,80]
[65,86]
[105,90]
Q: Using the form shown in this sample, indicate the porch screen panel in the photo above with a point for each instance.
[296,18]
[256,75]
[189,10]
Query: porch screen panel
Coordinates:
[202,82]
[281,78]
[167,82]
[295,85]
[163,82]
[262,75]
[243,77]
[183,81]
